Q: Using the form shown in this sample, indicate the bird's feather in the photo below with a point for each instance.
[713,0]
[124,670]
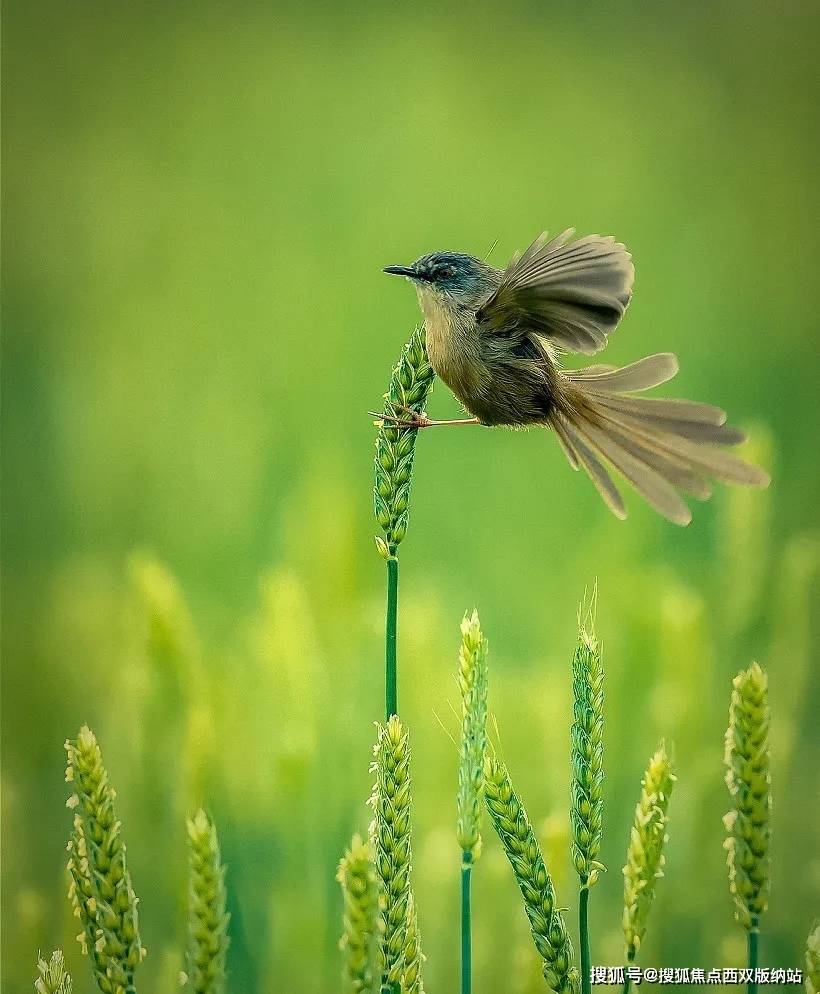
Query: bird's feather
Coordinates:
[660,446]
[583,454]
[657,491]
[678,410]
[651,371]
[571,293]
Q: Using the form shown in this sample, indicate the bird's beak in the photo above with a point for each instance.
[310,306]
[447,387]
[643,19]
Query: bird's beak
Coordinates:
[407,271]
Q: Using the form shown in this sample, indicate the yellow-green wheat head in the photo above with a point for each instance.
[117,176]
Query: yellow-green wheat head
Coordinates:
[749,782]
[547,924]
[53,978]
[644,856]
[357,877]
[587,790]
[100,890]
[411,981]
[410,383]
[207,915]
[472,680]
[399,948]
[811,975]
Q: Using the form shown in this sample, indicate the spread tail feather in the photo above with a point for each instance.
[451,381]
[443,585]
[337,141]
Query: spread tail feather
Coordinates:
[660,446]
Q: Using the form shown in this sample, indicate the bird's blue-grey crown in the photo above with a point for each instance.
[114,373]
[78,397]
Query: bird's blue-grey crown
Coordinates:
[451,272]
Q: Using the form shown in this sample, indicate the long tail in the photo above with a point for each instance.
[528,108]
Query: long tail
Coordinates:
[660,446]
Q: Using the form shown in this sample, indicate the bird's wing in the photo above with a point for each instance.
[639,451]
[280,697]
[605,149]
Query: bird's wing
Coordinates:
[571,293]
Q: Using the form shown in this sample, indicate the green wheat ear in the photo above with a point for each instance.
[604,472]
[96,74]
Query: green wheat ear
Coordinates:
[549,931]
[410,383]
[357,877]
[411,982]
[587,790]
[100,891]
[811,977]
[207,915]
[473,682]
[749,782]
[54,978]
[644,856]
[399,949]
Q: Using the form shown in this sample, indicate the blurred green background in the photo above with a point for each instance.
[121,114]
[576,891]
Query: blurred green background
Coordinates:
[198,200]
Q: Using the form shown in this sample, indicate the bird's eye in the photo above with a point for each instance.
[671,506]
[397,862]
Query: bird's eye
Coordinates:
[445,272]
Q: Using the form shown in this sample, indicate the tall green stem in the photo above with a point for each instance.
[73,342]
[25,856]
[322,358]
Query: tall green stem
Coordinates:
[391,691]
[752,939]
[583,935]
[627,979]
[466,924]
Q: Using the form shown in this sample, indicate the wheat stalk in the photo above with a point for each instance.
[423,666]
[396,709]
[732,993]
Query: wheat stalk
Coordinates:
[399,951]
[207,915]
[54,978]
[411,982]
[472,681]
[811,975]
[644,856]
[473,684]
[586,814]
[748,823]
[586,790]
[357,877]
[410,383]
[547,924]
[100,891]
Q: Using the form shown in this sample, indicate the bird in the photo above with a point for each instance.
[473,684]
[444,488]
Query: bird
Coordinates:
[498,337]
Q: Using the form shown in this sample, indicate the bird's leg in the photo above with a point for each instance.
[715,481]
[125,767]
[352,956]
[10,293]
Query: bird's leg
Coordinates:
[421,419]
[450,421]
[414,420]
[425,422]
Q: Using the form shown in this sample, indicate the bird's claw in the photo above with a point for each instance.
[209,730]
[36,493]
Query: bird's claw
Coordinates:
[412,422]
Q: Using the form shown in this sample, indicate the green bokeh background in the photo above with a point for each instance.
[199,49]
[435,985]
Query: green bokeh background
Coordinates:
[198,200]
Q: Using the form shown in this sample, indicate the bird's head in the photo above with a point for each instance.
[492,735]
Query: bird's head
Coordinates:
[453,278]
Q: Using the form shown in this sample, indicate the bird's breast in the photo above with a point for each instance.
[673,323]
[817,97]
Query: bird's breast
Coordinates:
[454,349]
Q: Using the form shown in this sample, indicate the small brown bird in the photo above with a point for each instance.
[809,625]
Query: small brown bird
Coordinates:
[495,337]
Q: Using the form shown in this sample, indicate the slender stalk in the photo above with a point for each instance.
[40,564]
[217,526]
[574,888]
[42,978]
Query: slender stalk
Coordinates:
[391,690]
[583,933]
[466,925]
[751,942]
[627,983]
